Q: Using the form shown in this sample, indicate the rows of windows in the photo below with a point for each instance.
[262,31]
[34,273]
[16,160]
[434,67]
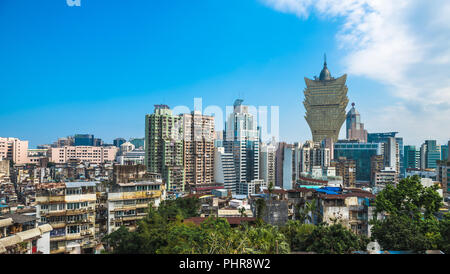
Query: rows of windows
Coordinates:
[61,219]
[55,207]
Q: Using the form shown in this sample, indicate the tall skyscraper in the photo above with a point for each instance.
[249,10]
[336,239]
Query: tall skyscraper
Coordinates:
[430,153]
[411,157]
[444,152]
[164,147]
[198,136]
[325,103]
[355,129]
[242,139]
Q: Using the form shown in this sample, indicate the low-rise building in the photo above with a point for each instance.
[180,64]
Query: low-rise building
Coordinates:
[128,202]
[21,234]
[91,154]
[70,209]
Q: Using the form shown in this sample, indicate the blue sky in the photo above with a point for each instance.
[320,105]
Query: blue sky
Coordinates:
[99,68]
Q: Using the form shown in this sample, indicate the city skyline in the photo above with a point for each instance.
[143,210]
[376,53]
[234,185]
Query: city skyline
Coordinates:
[90,67]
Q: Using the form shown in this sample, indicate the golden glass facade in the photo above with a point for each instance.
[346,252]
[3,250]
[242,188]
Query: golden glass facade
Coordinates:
[325,103]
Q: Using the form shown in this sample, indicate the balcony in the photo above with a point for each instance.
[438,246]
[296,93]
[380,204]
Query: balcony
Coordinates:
[58,250]
[357,208]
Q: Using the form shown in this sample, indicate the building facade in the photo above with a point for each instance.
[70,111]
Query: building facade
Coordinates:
[127,203]
[14,149]
[355,129]
[361,153]
[267,162]
[164,147]
[242,140]
[70,209]
[91,154]
[198,137]
[325,102]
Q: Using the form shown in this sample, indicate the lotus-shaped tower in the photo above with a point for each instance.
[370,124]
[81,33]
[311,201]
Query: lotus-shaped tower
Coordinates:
[325,103]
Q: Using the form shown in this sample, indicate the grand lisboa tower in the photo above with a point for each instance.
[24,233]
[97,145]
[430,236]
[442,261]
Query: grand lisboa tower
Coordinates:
[325,103]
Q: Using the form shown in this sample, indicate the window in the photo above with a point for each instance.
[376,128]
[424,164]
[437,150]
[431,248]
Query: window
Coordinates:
[73,205]
[44,206]
[73,229]
[73,191]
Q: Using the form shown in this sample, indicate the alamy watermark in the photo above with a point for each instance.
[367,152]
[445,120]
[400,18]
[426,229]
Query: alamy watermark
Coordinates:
[73,3]
[268,129]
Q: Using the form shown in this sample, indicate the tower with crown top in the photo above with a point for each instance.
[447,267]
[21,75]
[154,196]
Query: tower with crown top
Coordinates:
[325,102]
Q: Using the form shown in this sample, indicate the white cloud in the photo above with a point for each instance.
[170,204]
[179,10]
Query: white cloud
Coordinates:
[404,44]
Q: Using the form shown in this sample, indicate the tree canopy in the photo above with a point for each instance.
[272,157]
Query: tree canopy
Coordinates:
[411,221]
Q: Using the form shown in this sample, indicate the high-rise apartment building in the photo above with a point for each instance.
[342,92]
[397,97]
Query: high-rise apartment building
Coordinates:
[392,150]
[346,169]
[267,162]
[14,149]
[325,102]
[164,147]
[314,154]
[198,137]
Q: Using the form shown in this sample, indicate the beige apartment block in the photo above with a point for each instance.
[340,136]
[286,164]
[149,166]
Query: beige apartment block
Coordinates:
[92,154]
[198,136]
[14,149]
[127,203]
[70,209]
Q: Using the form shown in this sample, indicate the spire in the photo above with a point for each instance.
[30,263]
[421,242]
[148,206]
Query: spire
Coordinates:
[325,73]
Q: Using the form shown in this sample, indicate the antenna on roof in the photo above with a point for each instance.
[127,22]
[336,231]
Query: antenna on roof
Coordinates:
[325,59]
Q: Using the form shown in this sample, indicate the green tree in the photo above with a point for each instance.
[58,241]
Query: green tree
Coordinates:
[297,233]
[123,241]
[410,221]
[335,239]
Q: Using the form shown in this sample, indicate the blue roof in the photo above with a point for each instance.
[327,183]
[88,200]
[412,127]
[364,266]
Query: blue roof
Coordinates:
[239,197]
[310,186]
[327,191]
[79,184]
